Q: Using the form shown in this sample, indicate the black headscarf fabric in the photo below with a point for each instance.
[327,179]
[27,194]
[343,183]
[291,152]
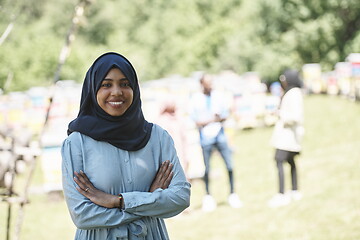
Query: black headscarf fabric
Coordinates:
[129,131]
[292,79]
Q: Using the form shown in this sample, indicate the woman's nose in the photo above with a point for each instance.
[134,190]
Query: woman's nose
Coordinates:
[116,91]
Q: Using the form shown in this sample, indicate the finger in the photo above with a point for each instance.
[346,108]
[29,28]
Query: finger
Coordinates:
[84,193]
[167,172]
[164,166]
[169,168]
[162,170]
[80,187]
[84,179]
[84,175]
[78,179]
[168,180]
[82,183]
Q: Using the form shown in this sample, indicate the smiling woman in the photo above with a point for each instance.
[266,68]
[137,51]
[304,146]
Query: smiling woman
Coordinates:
[121,174]
[115,94]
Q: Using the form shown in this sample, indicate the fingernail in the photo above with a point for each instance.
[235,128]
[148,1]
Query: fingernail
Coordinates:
[81,171]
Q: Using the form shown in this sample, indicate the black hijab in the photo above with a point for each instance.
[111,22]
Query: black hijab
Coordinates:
[292,79]
[129,131]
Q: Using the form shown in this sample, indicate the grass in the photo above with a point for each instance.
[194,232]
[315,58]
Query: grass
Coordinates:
[329,178]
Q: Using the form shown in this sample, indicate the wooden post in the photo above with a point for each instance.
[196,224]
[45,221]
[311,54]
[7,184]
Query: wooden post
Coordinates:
[35,153]
[65,51]
[6,32]
[70,36]
[11,187]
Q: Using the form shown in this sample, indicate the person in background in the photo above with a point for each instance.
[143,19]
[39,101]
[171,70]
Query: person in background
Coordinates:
[287,135]
[121,174]
[209,113]
[170,119]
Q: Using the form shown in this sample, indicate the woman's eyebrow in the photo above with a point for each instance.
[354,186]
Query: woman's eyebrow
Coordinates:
[121,79]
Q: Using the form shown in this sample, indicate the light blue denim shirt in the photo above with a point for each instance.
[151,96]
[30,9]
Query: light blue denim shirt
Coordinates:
[203,109]
[117,171]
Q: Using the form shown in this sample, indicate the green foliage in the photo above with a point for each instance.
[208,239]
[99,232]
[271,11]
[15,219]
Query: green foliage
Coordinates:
[323,30]
[176,37]
[28,69]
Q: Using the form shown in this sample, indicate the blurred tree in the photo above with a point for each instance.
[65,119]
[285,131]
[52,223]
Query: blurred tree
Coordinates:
[321,31]
[177,37]
[11,11]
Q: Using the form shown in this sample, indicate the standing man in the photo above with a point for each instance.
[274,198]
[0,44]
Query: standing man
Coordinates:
[209,113]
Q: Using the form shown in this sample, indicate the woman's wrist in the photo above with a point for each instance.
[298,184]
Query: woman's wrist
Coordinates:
[120,201]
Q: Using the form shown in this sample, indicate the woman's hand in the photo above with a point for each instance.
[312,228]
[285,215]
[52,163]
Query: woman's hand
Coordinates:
[163,177]
[86,188]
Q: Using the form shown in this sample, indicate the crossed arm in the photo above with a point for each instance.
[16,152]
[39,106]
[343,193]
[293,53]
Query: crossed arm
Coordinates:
[86,188]
[217,118]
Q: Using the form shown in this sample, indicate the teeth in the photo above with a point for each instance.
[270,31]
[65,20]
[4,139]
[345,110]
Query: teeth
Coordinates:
[116,103]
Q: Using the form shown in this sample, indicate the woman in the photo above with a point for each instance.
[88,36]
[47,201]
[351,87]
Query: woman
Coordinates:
[287,136]
[170,119]
[121,174]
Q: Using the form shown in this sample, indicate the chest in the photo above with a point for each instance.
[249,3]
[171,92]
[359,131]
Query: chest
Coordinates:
[110,168]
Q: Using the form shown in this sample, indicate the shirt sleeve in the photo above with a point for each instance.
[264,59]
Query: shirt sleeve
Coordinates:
[162,203]
[84,213]
[193,108]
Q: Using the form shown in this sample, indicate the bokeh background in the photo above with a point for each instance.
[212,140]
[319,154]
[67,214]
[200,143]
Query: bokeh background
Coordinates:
[46,47]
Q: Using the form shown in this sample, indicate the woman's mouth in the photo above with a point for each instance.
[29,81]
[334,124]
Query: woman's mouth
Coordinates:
[116,103]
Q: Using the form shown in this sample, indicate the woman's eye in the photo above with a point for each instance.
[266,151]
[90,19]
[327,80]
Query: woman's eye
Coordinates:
[106,85]
[124,84]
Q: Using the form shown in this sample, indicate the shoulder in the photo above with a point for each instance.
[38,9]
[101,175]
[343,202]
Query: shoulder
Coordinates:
[160,140]
[157,130]
[294,93]
[159,134]
[74,137]
[77,139]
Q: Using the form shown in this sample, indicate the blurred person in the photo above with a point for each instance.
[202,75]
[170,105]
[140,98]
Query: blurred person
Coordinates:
[170,119]
[121,174]
[276,89]
[209,113]
[287,135]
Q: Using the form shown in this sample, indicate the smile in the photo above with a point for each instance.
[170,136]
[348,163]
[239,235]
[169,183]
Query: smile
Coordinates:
[116,103]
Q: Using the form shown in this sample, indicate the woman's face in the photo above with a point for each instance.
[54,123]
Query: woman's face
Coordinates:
[115,94]
[283,81]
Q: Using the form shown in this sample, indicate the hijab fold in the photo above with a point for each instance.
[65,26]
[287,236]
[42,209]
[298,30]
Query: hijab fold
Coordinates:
[129,131]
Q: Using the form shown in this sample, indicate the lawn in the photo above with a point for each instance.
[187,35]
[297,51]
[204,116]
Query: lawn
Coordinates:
[329,176]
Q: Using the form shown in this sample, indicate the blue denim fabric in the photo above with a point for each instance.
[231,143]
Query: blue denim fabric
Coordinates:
[219,143]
